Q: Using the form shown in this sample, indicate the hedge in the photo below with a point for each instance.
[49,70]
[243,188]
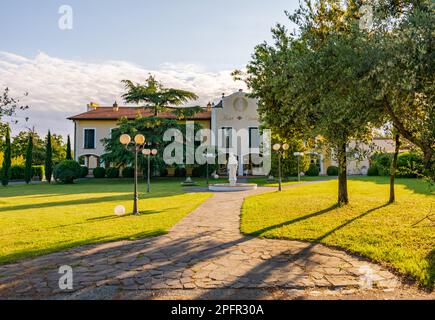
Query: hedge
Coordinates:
[332,171]
[112,173]
[67,171]
[313,170]
[99,173]
[128,172]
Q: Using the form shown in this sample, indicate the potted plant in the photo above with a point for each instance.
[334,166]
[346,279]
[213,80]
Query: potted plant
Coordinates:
[171,171]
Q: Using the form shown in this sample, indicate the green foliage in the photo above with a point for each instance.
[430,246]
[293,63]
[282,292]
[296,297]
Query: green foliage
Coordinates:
[332,171]
[153,129]
[155,96]
[128,172]
[38,171]
[17,172]
[112,173]
[382,162]
[410,165]
[48,158]
[201,171]
[5,174]
[373,171]
[68,149]
[84,171]
[99,173]
[67,171]
[28,172]
[180,172]
[313,170]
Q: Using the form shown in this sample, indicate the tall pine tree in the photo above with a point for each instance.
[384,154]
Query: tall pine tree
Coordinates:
[68,149]
[48,158]
[6,167]
[28,171]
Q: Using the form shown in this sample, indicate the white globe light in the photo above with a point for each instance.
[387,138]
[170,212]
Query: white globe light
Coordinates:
[285,147]
[120,210]
[125,139]
[146,152]
[276,147]
[139,139]
[154,152]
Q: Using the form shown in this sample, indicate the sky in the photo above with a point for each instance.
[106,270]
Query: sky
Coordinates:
[65,63]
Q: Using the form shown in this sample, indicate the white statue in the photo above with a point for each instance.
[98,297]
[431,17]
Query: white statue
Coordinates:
[233,165]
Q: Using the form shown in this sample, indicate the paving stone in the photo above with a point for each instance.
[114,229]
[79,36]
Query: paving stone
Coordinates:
[205,250]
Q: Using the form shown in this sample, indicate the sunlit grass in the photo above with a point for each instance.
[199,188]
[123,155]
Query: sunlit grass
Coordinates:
[38,219]
[368,226]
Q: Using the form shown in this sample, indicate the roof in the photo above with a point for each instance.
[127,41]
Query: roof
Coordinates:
[108,113]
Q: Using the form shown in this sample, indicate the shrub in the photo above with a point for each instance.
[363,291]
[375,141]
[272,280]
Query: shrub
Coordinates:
[200,171]
[128,172]
[84,171]
[373,171]
[17,172]
[382,161]
[39,171]
[99,173]
[409,165]
[332,171]
[313,170]
[67,171]
[180,172]
[112,173]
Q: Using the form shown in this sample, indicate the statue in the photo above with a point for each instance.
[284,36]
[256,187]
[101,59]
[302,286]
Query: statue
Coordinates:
[233,166]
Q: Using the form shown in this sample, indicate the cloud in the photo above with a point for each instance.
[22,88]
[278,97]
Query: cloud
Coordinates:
[58,88]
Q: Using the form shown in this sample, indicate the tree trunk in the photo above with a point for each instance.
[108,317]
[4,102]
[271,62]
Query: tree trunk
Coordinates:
[343,198]
[394,169]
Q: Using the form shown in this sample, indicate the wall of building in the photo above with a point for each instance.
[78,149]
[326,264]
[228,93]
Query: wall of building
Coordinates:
[238,112]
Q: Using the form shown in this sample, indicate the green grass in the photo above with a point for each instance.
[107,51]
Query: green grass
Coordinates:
[368,226]
[287,181]
[39,219]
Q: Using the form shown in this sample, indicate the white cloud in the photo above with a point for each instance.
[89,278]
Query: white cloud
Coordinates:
[59,88]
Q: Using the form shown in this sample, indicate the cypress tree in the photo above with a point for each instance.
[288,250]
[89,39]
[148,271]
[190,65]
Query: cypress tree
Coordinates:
[28,168]
[68,149]
[6,167]
[48,158]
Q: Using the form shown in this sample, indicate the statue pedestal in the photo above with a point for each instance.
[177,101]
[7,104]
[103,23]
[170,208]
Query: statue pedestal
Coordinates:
[226,187]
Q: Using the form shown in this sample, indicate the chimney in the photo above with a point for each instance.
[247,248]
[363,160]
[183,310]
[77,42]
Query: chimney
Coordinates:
[115,106]
[92,106]
[240,90]
[209,106]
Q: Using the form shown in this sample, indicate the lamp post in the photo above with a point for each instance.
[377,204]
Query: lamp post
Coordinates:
[148,153]
[139,142]
[280,149]
[298,155]
[207,156]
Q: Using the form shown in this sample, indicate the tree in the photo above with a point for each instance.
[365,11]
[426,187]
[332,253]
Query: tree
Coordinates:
[28,171]
[68,149]
[20,143]
[402,73]
[153,95]
[48,158]
[6,167]
[309,84]
[58,148]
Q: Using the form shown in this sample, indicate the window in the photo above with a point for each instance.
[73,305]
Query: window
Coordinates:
[254,138]
[89,139]
[227,137]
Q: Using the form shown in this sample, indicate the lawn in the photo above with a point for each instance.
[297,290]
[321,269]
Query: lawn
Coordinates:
[286,181]
[368,226]
[38,219]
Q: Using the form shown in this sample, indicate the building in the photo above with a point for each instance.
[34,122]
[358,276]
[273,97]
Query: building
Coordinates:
[98,122]
[234,124]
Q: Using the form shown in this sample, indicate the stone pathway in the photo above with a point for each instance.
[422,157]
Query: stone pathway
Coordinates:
[204,256]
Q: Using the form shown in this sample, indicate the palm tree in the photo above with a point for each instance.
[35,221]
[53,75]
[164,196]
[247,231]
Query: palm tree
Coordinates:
[154,96]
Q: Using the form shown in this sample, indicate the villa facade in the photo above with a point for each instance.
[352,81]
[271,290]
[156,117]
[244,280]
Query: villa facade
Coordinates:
[234,122]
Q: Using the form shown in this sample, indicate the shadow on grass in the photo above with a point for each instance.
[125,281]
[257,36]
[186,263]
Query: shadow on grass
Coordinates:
[419,186]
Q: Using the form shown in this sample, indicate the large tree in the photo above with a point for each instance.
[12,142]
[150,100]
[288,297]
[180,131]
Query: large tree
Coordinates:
[48,158]
[68,149]
[6,166]
[28,171]
[309,84]
[153,95]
